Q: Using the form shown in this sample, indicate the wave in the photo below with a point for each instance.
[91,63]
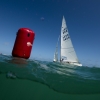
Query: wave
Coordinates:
[59,77]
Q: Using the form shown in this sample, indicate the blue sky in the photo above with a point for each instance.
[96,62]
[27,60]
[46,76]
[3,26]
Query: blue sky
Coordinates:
[82,17]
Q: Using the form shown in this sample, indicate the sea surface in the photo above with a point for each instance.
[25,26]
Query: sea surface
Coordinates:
[31,79]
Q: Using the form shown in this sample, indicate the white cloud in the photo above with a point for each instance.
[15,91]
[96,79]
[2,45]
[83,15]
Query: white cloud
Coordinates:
[42,18]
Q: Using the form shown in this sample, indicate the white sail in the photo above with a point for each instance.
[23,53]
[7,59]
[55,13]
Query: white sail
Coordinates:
[56,52]
[67,51]
[55,57]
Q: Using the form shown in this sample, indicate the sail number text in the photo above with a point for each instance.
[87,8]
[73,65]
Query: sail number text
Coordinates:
[65,30]
[66,37]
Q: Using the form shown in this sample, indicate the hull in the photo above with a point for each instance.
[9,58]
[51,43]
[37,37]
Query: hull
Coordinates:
[54,60]
[72,63]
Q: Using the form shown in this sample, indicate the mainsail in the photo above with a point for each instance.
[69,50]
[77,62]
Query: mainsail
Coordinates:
[67,51]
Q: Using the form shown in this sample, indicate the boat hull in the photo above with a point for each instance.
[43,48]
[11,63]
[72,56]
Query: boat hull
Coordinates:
[72,63]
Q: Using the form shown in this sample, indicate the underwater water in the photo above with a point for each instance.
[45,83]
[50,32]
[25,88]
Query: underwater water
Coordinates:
[22,79]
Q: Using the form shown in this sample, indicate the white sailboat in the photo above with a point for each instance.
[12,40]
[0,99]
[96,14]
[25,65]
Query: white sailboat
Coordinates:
[68,54]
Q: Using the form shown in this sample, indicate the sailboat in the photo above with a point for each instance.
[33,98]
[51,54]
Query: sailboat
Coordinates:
[67,52]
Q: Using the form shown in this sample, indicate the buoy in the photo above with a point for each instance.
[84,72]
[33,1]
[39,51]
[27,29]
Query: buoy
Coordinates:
[23,43]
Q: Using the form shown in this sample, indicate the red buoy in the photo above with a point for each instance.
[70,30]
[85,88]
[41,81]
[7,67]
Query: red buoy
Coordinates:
[23,43]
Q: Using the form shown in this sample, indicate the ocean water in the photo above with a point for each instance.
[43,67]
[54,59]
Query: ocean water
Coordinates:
[30,79]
